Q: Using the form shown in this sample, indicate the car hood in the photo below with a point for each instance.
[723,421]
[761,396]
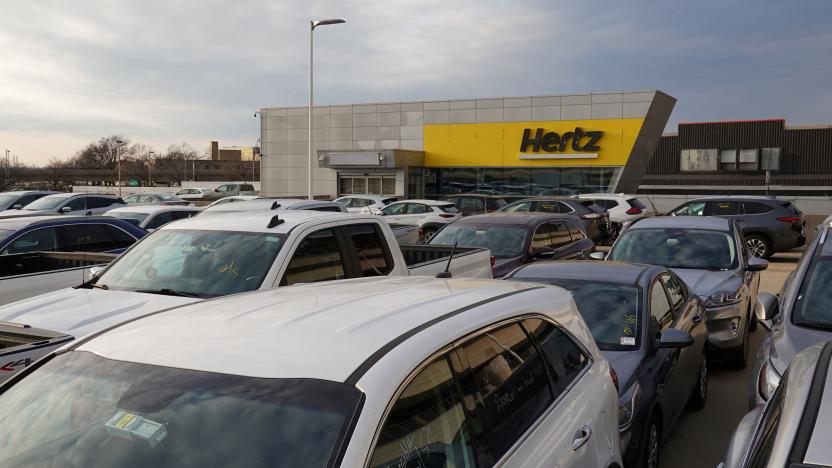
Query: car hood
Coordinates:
[79,312]
[703,283]
[625,364]
[790,339]
[21,213]
[504,266]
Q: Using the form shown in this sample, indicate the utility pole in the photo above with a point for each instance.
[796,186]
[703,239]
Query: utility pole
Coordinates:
[118,164]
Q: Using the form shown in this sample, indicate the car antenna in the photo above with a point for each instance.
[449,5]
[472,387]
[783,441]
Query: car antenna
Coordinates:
[275,206]
[447,273]
[275,221]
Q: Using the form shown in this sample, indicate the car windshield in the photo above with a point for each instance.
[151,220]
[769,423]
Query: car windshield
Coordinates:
[83,411]
[195,262]
[698,249]
[503,241]
[46,203]
[813,306]
[139,217]
[611,310]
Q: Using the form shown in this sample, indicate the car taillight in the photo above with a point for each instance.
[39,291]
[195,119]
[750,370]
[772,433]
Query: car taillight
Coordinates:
[591,216]
[493,260]
[445,215]
[788,219]
[614,377]
[633,211]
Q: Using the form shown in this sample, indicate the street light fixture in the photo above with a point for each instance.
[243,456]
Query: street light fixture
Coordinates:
[312,26]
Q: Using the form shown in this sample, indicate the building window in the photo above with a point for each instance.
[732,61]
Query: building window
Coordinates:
[699,160]
[749,159]
[542,181]
[728,160]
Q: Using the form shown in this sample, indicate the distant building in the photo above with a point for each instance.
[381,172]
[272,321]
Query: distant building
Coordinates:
[234,153]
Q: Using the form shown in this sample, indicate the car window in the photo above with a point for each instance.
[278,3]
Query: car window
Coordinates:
[99,202]
[763,442]
[78,204]
[131,199]
[394,210]
[160,220]
[547,207]
[518,207]
[92,238]
[223,188]
[427,425]
[448,208]
[690,209]
[609,204]
[39,240]
[334,209]
[566,207]
[756,208]
[660,311]
[247,188]
[700,249]
[560,234]
[504,241]
[575,232]
[318,258]
[368,241]
[813,306]
[471,204]
[182,214]
[564,357]
[676,291]
[542,237]
[507,380]
[27,199]
[417,208]
[724,208]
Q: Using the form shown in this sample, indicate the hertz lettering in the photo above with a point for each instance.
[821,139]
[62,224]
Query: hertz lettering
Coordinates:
[551,142]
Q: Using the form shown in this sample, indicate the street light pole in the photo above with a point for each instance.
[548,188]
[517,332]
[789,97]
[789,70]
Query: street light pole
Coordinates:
[312,26]
[118,164]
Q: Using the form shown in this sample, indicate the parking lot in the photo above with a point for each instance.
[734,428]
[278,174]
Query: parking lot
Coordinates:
[701,438]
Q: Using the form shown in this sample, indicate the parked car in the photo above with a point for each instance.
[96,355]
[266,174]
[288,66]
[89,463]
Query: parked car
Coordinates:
[68,203]
[273,204]
[151,217]
[40,254]
[199,258]
[230,190]
[365,203]
[643,318]
[471,204]
[194,193]
[770,225]
[154,199]
[792,430]
[18,199]
[439,373]
[236,198]
[515,239]
[710,256]
[621,208]
[429,215]
[800,317]
[596,221]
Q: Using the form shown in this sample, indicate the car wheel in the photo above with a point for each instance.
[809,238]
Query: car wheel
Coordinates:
[429,233]
[652,444]
[759,246]
[700,390]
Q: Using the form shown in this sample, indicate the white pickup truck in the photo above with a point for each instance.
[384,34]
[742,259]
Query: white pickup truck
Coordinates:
[205,257]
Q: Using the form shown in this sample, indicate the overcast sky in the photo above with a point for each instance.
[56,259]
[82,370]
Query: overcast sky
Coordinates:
[162,72]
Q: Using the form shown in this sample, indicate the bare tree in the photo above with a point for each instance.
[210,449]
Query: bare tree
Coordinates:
[145,161]
[54,173]
[104,153]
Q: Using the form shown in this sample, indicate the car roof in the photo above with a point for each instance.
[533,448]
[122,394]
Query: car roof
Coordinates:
[501,217]
[426,202]
[270,333]
[688,222]
[150,209]
[735,198]
[26,192]
[257,221]
[265,204]
[154,194]
[610,272]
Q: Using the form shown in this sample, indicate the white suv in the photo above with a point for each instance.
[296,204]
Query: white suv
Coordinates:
[622,208]
[429,215]
[364,203]
[359,373]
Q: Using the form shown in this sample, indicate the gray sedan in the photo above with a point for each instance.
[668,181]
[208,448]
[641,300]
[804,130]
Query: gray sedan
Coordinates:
[711,257]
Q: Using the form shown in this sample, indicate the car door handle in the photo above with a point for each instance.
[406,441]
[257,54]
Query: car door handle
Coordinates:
[581,437]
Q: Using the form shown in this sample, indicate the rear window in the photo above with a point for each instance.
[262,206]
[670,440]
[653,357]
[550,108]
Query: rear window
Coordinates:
[756,208]
[449,208]
[636,203]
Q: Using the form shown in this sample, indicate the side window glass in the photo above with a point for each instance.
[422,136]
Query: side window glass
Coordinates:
[92,238]
[660,310]
[519,207]
[560,235]
[78,204]
[99,202]
[509,386]
[675,290]
[369,247]
[564,358]
[118,238]
[691,209]
[131,199]
[40,240]
[724,208]
[755,208]
[394,210]
[575,233]
[427,426]
[318,258]
[542,236]
[160,220]
[547,207]
[416,208]
[182,214]
[564,208]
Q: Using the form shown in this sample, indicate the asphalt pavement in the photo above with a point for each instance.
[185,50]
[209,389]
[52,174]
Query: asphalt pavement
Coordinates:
[700,438]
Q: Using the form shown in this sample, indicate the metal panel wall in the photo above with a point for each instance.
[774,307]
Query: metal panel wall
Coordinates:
[729,135]
[807,151]
[667,156]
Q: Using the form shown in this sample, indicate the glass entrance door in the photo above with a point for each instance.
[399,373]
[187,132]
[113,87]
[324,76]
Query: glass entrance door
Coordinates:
[366,185]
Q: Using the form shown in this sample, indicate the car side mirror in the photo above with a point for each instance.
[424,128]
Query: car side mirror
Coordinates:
[767,308]
[673,338]
[17,207]
[757,264]
[598,256]
[66,209]
[543,252]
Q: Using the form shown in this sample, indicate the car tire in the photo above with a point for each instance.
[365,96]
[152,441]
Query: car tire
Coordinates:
[651,445]
[700,391]
[428,234]
[759,246]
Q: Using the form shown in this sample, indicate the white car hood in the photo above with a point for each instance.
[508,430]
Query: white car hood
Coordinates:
[79,312]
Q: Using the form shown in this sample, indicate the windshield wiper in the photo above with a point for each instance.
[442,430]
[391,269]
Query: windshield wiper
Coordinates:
[168,292]
[100,286]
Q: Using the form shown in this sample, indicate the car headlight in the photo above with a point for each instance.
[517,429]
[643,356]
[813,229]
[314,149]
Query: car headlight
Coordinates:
[724,298]
[768,380]
[627,406]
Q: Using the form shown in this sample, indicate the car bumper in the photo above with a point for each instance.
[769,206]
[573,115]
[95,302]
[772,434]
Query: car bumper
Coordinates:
[725,326]
[788,240]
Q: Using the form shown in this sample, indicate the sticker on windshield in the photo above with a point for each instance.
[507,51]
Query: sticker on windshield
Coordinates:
[672,241]
[132,426]
[628,341]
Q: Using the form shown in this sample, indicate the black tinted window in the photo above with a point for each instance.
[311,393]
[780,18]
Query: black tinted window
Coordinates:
[660,310]
[675,290]
[635,203]
[576,233]
[92,238]
[417,208]
[248,188]
[101,202]
[564,358]
[509,385]
[547,207]
[327,208]
[78,204]
[725,208]
[40,240]
[560,234]
[160,220]
[368,242]
[318,258]
[182,214]
[756,208]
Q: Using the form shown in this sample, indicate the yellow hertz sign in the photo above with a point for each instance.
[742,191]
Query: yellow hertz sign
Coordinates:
[503,144]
